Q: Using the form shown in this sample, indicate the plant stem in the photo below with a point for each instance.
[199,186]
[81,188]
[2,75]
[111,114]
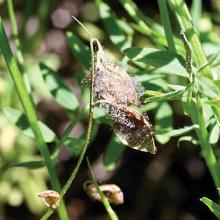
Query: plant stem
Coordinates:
[89,129]
[184,18]
[47,214]
[66,134]
[138,17]
[15,32]
[203,136]
[195,111]
[29,109]
[105,201]
[88,135]
[166,24]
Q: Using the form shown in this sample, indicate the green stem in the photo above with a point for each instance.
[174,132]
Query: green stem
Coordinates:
[47,214]
[206,147]
[166,24]
[105,201]
[66,134]
[15,32]
[138,17]
[184,18]
[29,109]
[88,135]
[195,111]
[75,170]
[89,129]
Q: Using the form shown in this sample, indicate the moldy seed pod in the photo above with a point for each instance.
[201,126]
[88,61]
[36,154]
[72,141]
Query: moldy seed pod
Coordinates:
[116,92]
[112,82]
[132,128]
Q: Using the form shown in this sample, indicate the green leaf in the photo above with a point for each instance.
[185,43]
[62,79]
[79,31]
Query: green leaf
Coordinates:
[213,102]
[159,96]
[176,132]
[20,120]
[147,76]
[157,85]
[144,24]
[188,139]
[162,60]
[30,164]
[214,134]
[119,32]
[207,113]
[208,87]
[113,153]
[75,145]
[98,113]
[61,93]
[79,49]
[188,102]
[213,207]
[163,120]
[196,11]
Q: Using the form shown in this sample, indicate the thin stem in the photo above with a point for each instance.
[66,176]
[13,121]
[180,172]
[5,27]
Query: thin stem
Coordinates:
[206,147]
[15,32]
[89,129]
[105,201]
[85,29]
[166,24]
[29,109]
[88,134]
[47,214]
[197,117]
[137,16]
[182,13]
[65,135]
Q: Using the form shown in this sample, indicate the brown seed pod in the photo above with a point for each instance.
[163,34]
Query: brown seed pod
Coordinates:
[131,127]
[112,192]
[112,82]
[51,198]
[115,90]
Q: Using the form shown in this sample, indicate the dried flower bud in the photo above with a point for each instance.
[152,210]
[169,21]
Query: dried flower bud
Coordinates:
[112,192]
[51,198]
[112,82]
[131,127]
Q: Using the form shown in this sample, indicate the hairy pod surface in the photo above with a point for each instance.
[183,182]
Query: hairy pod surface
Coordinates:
[116,91]
[132,128]
[112,82]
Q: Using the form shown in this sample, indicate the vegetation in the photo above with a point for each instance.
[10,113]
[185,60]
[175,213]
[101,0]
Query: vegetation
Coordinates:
[175,60]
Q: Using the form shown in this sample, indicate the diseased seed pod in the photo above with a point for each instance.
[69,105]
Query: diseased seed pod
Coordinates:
[112,82]
[111,191]
[51,198]
[131,127]
[116,91]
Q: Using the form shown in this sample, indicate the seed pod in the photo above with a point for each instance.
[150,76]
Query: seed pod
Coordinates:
[111,191]
[112,82]
[51,198]
[115,91]
[131,127]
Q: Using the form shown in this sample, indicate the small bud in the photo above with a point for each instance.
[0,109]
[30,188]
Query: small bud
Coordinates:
[111,191]
[51,198]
